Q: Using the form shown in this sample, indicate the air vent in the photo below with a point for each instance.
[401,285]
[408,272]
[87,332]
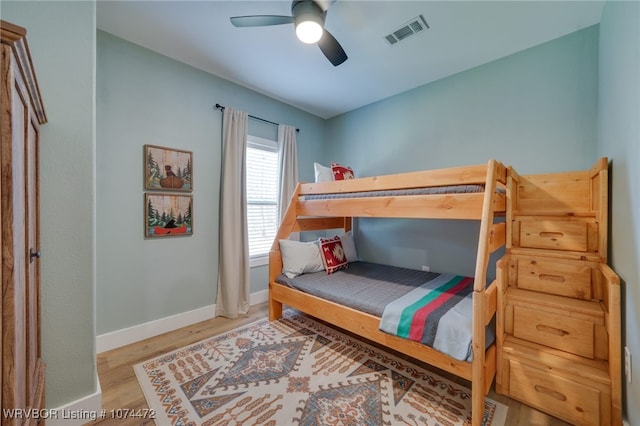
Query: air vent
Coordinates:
[410,28]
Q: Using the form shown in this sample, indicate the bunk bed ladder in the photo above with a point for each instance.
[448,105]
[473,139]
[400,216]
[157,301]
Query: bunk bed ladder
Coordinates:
[491,237]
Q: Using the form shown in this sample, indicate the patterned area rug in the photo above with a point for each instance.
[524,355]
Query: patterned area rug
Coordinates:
[297,371]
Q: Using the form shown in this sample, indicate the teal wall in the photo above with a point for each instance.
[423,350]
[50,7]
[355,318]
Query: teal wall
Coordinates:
[619,139]
[535,110]
[147,98]
[61,36]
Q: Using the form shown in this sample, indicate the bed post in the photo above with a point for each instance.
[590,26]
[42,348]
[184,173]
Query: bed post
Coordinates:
[347,224]
[495,170]
[275,264]
[502,275]
[513,180]
[275,257]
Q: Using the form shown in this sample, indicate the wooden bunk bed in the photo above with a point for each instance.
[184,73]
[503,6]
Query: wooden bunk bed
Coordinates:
[304,214]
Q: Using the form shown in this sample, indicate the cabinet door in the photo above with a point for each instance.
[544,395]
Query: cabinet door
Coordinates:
[14,342]
[32,302]
[22,370]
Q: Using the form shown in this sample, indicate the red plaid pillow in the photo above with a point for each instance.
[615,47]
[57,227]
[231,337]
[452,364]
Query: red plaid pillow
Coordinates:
[341,172]
[332,254]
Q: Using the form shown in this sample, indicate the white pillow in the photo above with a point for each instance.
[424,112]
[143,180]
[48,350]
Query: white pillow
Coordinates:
[323,173]
[299,258]
[349,246]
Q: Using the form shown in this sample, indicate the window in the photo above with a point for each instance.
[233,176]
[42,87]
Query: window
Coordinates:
[262,197]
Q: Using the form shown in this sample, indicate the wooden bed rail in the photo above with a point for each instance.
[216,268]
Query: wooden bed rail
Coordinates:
[287,223]
[466,206]
[463,175]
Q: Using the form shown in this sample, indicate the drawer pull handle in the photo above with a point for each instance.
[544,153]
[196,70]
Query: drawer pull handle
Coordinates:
[550,392]
[551,330]
[549,277]
[552,235]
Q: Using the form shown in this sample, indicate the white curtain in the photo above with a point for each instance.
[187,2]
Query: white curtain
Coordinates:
[233,264]
[288,160]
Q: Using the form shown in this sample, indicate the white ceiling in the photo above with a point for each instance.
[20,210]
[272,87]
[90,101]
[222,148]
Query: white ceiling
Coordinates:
[270,60]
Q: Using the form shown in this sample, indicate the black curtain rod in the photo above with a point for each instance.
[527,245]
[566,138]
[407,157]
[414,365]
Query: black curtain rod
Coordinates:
[221,107]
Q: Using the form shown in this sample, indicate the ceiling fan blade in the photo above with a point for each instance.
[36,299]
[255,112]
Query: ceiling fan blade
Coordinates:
[332,49]
[260,20]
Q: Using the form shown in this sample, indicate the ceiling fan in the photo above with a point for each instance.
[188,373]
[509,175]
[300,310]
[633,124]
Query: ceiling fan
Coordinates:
[308,18]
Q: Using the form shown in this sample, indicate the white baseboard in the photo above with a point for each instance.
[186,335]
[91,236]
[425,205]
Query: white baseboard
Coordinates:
[115,339]
[78,412]
[259,297]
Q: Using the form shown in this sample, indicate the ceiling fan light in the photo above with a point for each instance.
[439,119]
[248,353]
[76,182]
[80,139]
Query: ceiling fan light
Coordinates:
[309,32]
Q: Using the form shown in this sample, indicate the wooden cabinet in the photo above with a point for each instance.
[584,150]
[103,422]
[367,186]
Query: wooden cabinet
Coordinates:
[558,328]
[23,371]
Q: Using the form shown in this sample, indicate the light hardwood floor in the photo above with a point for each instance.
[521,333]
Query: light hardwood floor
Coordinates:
[120,389]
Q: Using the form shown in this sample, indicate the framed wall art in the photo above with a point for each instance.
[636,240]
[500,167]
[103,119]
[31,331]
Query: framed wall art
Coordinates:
[168,169]
[168,215]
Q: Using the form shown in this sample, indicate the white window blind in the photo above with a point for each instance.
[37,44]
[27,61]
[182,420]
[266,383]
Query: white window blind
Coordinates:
[262,194]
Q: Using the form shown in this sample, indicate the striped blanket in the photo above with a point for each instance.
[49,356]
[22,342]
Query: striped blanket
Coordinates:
[438,314]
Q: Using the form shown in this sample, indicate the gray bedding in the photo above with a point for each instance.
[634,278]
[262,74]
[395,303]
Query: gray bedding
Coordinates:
[367,287]
[370,287]
[451,189]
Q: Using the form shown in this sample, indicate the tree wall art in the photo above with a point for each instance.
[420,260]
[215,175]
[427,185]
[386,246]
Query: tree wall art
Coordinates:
[168,169]
[168,215]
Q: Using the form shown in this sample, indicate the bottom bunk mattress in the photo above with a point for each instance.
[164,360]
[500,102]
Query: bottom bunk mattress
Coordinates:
[435,309]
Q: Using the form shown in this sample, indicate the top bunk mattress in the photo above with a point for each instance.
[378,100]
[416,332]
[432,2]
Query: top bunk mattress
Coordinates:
[435,190]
